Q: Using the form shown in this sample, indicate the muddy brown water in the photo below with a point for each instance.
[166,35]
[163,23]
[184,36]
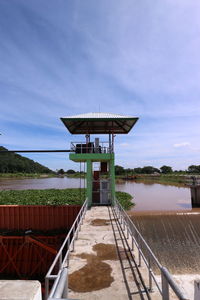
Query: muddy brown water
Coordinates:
[147,196]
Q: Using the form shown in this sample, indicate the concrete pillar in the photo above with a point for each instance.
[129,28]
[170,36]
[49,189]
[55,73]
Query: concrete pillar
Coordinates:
[89,182]
[195,195]
[112,176]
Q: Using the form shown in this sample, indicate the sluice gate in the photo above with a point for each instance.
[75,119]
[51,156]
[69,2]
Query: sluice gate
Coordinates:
[30,237]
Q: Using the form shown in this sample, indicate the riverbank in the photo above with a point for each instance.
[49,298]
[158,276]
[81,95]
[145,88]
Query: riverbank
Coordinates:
[54,197]
[25,175]
[179,180]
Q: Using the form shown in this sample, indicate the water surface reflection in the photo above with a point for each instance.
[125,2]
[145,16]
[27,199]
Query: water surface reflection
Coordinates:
[147,196]
[155,196]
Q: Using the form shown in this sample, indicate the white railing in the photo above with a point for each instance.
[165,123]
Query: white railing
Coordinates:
[60,278]
[148,257]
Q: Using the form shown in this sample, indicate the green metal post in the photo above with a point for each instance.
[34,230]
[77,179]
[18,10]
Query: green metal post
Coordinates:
[112,177]
[89,182]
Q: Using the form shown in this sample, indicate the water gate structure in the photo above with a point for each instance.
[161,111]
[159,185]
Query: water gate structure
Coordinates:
[100,183]
[133,271]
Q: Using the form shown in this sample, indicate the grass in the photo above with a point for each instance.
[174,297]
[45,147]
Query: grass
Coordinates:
[171,179]
[125,200]
[54,197]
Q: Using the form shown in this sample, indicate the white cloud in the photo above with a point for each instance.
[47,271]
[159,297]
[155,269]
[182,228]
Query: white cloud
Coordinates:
[184,144]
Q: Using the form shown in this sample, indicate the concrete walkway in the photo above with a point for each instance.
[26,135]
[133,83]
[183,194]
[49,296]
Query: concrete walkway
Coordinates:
[94,268]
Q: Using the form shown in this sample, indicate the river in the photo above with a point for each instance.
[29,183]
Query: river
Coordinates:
[146,196]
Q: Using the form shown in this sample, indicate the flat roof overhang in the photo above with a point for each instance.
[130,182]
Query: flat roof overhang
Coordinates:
[99,123]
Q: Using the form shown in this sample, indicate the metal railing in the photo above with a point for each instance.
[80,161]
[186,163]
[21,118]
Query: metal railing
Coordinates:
[58,272]
[82,147]
[148,258]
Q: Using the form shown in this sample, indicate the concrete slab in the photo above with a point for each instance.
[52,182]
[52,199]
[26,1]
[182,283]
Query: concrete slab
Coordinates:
[88,237]
[20,290]
[85,259]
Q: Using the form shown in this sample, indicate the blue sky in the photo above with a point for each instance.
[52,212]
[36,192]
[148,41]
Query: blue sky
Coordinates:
[139,58]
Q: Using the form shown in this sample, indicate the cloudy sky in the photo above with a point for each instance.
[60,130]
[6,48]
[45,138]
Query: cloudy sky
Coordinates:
[65,57]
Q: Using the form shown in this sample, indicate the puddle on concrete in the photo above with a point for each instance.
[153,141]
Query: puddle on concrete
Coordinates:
[96,274]
[100,222]
[106,251]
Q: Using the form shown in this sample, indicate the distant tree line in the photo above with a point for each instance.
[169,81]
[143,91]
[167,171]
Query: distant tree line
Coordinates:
[15,163]
[119,170]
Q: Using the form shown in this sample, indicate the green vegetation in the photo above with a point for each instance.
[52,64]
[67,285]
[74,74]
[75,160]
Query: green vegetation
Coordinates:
[25,175]
[42,197]
[15,163]
[169,179]
[164,175]
[193,169]
[54,197]
[125,200]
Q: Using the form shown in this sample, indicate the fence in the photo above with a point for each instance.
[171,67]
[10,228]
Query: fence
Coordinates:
[80,147]
[149,258]
[58,272]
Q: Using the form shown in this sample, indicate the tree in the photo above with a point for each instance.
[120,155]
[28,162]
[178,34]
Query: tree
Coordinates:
[119,170]
[70,171]
[150,170]
[137,170]
[194,169]
[166,169]
[61,172]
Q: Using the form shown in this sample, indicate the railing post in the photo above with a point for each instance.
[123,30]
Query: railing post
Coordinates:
[165,287]
[127,233]
[65,291]
[150,277]
[60,260]
[46,288]
[196,289]
[139,258]
[73,238]
[132,244]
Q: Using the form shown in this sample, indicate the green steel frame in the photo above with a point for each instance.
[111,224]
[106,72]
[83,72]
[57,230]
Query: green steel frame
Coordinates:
[89,158]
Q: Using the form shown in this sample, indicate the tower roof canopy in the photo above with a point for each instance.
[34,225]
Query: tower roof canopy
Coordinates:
[99,123]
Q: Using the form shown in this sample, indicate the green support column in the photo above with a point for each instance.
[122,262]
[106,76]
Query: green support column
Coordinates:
[89,182]
[112,176]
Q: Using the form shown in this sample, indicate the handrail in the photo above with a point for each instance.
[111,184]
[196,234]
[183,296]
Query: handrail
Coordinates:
[103,147]
[62,273]
[149,257]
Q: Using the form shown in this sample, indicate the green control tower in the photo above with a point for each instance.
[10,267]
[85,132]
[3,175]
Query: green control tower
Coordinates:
[100,182]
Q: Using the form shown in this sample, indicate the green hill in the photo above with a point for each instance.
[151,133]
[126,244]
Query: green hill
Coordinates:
[15,163]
